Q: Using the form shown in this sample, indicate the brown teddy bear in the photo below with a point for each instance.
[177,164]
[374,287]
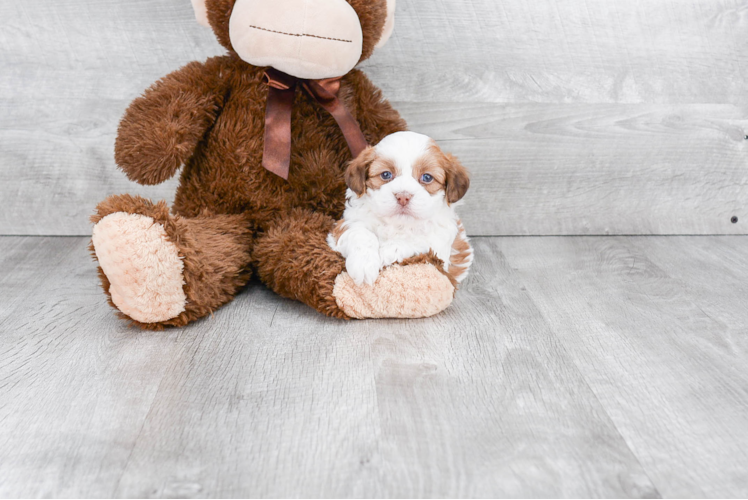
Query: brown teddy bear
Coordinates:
[263,135]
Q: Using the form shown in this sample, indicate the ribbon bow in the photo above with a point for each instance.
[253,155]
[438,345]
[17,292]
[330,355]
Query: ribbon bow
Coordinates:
[281,91]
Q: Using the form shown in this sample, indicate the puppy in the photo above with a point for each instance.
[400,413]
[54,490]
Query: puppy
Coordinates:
[401,202]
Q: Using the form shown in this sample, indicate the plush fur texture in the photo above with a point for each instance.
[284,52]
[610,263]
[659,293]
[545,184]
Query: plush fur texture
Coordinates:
[143,267]
[389,24]
[401,202]
[292,258]
[406,290]
[214,250]
[231,217]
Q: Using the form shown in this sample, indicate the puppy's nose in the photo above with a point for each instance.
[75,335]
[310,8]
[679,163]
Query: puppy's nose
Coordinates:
[403,198]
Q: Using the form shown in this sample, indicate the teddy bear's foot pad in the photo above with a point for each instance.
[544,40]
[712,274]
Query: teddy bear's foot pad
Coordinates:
[412,291]
[143,267]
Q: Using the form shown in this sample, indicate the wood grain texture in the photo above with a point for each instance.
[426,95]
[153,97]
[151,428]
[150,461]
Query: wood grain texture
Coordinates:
[537,169]
[560,169]
[581,51]
[579,117]
[657,327]
[268,398]
[72,397]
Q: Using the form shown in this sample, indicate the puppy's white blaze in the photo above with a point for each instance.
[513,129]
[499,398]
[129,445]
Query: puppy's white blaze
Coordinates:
[404,148]
[377,225]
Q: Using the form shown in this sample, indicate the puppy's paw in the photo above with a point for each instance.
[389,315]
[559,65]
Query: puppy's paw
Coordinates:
[392,252]
[363,267]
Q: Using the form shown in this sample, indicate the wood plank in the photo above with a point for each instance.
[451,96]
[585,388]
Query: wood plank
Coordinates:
[581,51]
[665,359]
[461,405]
[26,263]
[67,73]
[58,164]
[723,260]
[609,127]
[75,383]
[661,51]
[565,169]
[537,169]
[268,398]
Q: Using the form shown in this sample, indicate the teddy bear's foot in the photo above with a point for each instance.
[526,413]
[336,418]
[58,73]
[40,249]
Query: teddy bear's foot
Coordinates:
[417,288]
[143,267]
[160,269]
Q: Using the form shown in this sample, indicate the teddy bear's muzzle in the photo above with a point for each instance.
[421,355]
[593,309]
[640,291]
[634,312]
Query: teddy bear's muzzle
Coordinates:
[309,39]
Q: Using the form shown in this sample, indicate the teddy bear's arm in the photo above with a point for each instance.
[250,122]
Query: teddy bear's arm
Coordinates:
[161,129]
[374,113]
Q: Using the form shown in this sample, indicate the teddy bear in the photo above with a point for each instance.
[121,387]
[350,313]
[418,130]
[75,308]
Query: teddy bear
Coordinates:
[262,135]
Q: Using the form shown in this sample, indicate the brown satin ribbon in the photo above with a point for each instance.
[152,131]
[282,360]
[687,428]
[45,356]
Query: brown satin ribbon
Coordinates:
[281,91]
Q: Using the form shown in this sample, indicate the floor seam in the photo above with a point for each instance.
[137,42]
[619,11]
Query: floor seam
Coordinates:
[527,291]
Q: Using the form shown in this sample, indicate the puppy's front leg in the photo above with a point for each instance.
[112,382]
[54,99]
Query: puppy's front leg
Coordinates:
[396,251]
[360,247]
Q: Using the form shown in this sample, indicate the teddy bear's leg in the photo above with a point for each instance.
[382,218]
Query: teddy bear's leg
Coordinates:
[294,259]
[164,270]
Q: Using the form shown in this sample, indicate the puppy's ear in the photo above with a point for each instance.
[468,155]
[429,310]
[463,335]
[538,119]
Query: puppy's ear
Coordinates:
[458,179]
[358,170]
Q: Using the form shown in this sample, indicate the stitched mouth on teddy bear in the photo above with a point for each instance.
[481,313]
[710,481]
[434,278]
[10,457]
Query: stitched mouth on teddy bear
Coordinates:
[309,39]
[332,39]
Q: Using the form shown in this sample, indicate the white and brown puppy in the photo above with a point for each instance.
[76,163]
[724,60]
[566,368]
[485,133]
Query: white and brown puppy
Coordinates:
[401,202]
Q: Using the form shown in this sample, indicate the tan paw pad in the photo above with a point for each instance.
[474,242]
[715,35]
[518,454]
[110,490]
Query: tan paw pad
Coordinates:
[142,266]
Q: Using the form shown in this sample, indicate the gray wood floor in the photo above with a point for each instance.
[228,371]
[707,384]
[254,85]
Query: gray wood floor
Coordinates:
[568,366]
[574,116]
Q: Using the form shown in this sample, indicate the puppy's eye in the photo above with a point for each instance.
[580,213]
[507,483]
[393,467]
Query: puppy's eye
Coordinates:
[427,178]
[386,176]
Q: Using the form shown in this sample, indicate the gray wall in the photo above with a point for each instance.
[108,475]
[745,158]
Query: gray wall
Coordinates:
[575,116]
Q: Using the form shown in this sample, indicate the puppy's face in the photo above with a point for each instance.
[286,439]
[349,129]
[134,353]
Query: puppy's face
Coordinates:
[407,175]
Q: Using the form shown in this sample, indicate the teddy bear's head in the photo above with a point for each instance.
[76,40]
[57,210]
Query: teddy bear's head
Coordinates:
[311,39]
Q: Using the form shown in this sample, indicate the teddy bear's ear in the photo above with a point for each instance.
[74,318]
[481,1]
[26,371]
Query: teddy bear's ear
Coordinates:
[389,24]
[201,12]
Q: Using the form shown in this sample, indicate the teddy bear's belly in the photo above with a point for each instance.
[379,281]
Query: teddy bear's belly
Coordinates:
[226,173]
[244,186]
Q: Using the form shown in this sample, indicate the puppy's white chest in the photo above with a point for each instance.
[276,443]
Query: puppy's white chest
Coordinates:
[411,233]
[401,241]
